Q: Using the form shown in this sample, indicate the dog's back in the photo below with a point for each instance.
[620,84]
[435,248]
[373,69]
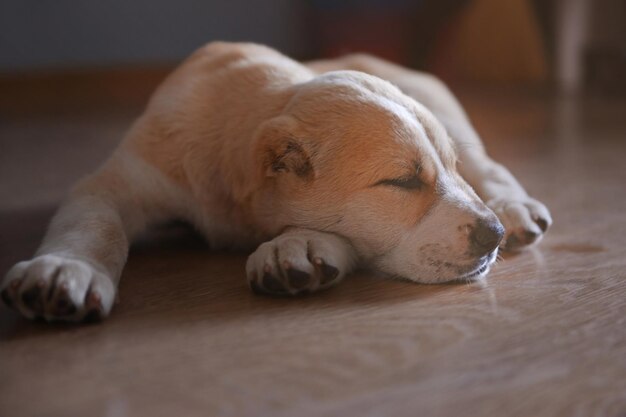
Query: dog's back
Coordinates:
[204,114]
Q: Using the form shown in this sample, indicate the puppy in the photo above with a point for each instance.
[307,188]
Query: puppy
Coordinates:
[322,167]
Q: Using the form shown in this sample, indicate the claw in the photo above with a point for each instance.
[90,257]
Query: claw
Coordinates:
[329,273]
[32,299]
[93,316]
[256,288]
[6,297]
[542,223]
[273,285]
[64,307]
[298,279]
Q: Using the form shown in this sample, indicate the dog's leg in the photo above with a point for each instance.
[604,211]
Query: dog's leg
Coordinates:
[524,218]
[299,261]
[75,272]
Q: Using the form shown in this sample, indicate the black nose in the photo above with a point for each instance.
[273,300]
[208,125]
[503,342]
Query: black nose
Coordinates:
[485,236]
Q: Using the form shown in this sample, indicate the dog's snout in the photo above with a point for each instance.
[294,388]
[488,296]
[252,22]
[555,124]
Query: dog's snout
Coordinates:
[485,236]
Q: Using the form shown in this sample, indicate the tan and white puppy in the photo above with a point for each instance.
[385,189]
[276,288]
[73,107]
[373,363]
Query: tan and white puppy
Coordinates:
[326,166]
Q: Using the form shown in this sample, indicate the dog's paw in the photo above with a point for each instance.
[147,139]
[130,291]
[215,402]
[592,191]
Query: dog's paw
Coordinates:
[58,289]
[298,263]
[525,221]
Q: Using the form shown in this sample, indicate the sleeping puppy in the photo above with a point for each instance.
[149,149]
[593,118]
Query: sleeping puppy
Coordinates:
[321,167]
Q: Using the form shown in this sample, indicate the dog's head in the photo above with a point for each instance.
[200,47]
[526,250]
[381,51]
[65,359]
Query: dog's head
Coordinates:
[352,155]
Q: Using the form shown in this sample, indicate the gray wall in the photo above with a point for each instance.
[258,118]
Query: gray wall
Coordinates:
[36,34]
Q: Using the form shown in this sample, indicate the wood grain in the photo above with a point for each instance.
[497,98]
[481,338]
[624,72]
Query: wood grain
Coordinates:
[544,335]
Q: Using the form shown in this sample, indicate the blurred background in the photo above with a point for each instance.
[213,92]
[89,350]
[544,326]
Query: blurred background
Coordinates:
[90,52]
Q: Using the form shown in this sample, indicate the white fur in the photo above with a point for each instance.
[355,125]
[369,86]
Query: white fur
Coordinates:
[436,249]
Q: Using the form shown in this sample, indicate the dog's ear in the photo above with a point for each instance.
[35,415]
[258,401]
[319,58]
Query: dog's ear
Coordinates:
[283,149]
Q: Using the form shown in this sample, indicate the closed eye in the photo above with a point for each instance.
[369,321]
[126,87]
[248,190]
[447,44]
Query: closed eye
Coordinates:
[408,183]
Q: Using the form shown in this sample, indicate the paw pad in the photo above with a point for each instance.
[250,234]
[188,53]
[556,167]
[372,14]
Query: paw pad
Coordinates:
[56,288]
[294,265]
[525,221]
[329,273]
[298,279]
[273,284]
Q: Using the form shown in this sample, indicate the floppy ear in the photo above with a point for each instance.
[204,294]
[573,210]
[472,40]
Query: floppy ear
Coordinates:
[283,150]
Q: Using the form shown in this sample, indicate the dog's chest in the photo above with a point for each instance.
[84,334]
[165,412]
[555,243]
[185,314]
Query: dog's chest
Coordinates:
[225,226]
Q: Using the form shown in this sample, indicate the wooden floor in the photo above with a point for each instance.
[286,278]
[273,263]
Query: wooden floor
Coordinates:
[544,335]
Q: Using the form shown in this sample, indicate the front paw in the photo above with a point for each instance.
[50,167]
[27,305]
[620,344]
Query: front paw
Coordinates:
[58,289]
[525,221]
[297,263]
